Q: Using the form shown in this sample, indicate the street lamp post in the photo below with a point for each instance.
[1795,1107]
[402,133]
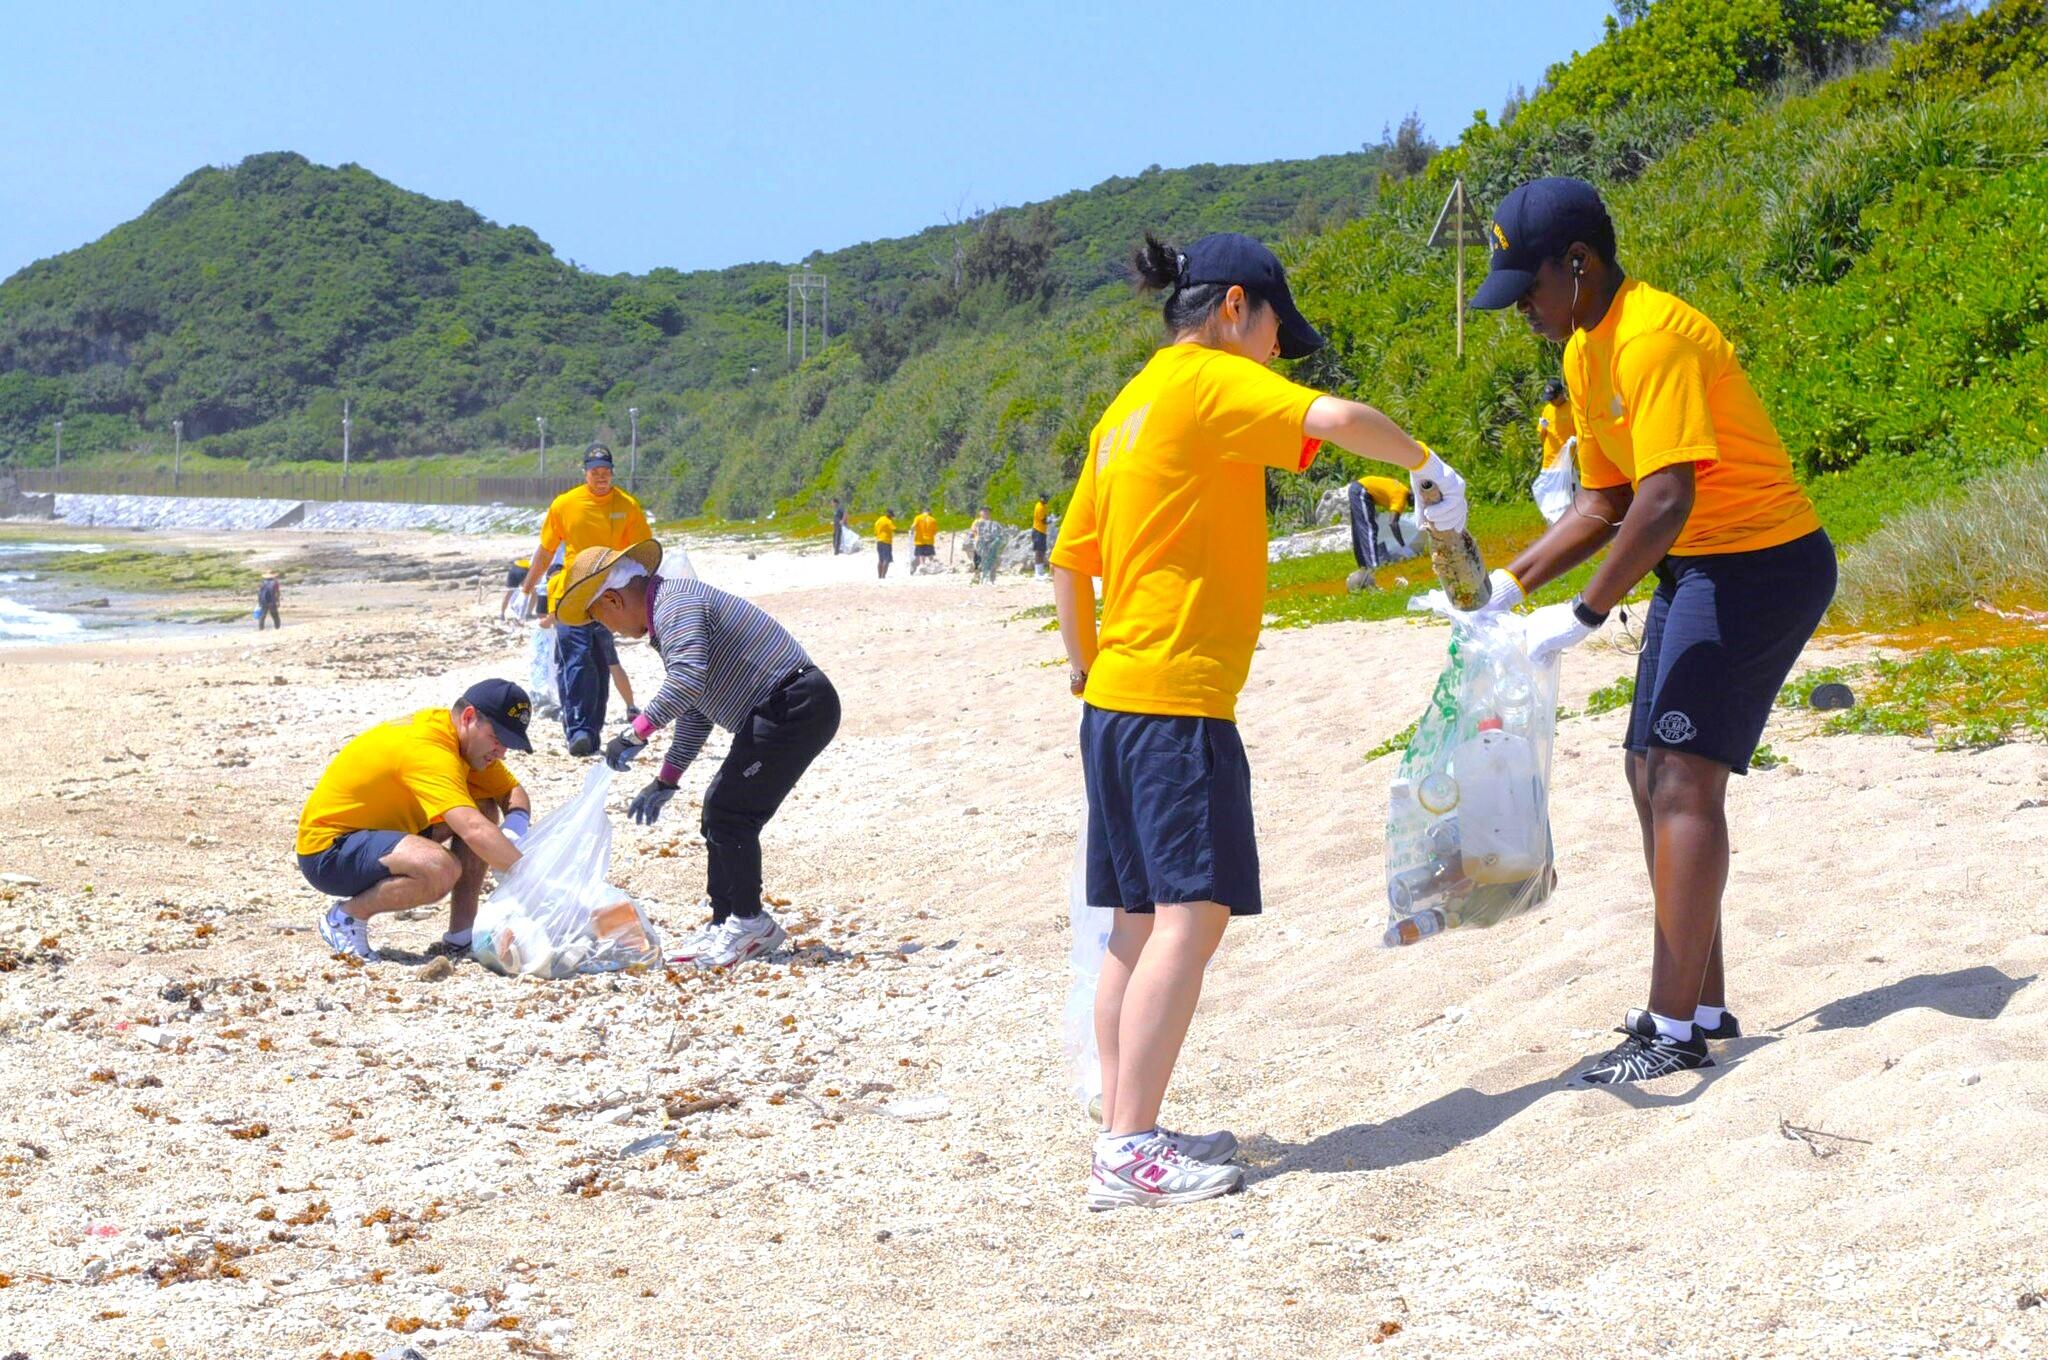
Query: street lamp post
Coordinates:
[542,422]
[60,447]
[177,451]
[345,425]
[633,472]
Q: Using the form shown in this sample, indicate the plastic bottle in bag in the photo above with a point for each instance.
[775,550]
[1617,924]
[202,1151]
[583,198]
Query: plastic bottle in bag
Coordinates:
[1504,827]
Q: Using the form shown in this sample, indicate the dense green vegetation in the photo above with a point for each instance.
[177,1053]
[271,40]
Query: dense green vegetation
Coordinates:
[1972,698]
[1841,185]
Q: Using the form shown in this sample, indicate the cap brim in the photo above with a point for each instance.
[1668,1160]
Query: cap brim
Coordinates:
[574,606]
[1503,288]
[1298,339]
[511,738]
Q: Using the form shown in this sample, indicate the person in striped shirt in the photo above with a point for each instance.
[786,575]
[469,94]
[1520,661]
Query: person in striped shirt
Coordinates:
[728,665]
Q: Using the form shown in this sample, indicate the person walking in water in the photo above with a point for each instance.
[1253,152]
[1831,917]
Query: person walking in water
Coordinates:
[596,514]
[1681,473]
[268,592]
[1170,512]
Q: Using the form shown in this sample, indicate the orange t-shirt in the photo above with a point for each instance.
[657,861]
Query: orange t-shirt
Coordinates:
[1655,384]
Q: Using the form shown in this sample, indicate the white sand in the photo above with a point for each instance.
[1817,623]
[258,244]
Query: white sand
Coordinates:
[1863,1176]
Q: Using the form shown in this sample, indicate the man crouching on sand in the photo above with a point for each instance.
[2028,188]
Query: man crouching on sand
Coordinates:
[407,814]
[727,663]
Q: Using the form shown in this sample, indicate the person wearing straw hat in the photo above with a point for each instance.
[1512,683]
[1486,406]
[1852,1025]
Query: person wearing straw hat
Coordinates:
[595,514]
[727,664]
[267,594]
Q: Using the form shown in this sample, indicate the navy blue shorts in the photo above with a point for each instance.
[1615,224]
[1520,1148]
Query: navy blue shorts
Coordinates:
[1169,812]
[1038,542]
[885,552]
[351,865]
[1723,633]
[925,550]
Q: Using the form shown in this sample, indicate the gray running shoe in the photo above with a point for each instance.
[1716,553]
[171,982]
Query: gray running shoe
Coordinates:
[1153,1174]
[1214,1148]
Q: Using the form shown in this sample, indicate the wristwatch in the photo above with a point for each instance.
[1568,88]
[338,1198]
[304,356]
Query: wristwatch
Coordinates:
[1586,614]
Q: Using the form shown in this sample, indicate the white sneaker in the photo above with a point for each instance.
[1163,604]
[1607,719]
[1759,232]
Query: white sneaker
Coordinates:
[689,948]
[1153,1174]
[344,934]
[740,938]
[1214,1148]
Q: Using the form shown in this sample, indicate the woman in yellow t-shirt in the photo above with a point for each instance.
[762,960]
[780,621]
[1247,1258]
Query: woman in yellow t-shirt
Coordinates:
[1680,473]
[1170,512]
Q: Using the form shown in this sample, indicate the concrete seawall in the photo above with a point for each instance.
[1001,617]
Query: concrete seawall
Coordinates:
[236,515]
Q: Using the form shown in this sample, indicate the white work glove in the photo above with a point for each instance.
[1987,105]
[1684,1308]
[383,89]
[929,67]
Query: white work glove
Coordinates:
[1449,511]
[1552,629]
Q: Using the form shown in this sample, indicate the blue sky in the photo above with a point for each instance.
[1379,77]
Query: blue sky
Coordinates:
[636,135]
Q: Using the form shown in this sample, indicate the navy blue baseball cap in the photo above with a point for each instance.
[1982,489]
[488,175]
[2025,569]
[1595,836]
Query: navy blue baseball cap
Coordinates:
[1231,257]
[1538,221]
[597,455]
[506,707]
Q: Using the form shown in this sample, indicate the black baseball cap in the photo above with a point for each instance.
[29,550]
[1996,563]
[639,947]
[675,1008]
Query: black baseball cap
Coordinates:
[507,708]
[1538,221]
[597,455]
[1232,257]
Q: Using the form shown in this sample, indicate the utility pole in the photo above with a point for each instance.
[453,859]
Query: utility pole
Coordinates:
[345,423]
[1455,225]
[542,422]
[177,451]
[60,447]
[633,475]
[796,318]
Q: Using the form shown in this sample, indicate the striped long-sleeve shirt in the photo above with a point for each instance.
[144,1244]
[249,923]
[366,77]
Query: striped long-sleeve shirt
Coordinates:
[724,657]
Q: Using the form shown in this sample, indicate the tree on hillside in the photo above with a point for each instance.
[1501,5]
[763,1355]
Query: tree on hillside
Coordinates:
[1017,257]
[1405,151]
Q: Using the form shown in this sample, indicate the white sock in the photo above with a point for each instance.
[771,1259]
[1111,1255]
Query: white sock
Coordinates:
[1671,1029]
[458,938]
[1115,1144]
[1707,1017]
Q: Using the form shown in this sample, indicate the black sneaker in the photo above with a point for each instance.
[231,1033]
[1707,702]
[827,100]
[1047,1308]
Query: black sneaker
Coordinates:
[1729,1028]
[1646,1055]
[582,744]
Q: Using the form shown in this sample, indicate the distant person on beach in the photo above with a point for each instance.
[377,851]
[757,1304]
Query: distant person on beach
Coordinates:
[1556,484]
[1170,511]
[268,592]
[1378,534]
[594,515]
[1681,473]
[727,665]
[838,525]
[885,541]
[924,540]
[985,546]
[415,810]
[515,578]
[1038,536]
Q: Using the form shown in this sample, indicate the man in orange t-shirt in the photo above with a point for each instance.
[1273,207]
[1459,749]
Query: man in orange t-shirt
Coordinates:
[1681,473]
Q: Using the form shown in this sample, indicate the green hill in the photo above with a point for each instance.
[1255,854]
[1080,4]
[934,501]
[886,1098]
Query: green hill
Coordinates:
[247,301]
[1854,192]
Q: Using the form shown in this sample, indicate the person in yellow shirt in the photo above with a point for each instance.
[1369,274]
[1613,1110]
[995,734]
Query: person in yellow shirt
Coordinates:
[1681,473]
[1038,537]
[1378,533]
[594,515]
[885,544]
[408,813]
[1170,511]
[924,540]
[1556,484]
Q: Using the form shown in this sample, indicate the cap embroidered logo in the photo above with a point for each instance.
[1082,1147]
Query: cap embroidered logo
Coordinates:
[1500,237]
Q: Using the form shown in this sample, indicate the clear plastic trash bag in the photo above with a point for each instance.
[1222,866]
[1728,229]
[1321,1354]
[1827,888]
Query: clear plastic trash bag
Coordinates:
[540,673]
[1085,952]
[1468,813]
[554,915]
[1557,486]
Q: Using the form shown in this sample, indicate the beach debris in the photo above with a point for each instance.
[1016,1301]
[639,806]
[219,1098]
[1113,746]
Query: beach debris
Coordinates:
[917,1109]
[1831,695]
[1969,1078]
[438,969]
[1812,1137]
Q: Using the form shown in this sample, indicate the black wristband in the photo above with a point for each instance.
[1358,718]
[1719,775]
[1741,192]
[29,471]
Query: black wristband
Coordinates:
[1585,613]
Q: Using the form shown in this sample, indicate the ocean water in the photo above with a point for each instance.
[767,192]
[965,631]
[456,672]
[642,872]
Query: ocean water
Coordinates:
[27,597]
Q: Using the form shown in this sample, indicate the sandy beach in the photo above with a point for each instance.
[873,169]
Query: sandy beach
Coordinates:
[217,1140]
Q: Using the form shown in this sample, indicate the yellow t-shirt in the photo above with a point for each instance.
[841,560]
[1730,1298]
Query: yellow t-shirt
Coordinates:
[1655,384]
[1170,511]
[1038,517]
[401,775]
[1388,493]
[885,530]
[924,531]
[581,520]
[1554,426]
